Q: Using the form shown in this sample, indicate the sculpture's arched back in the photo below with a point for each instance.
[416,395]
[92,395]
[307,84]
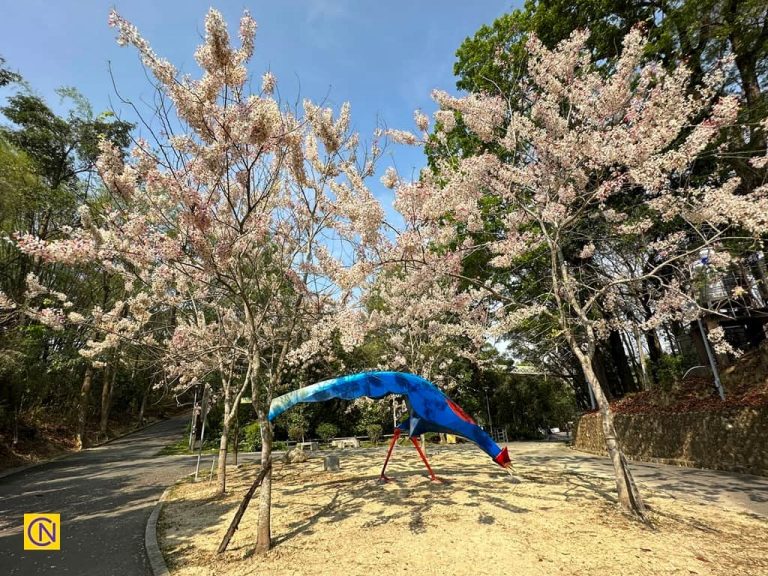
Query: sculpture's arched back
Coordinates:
[429,409]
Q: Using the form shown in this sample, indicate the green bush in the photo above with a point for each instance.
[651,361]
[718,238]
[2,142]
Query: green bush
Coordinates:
[669,371]
[251,436]
[296,431]
[374,432]
[432,438]
[326,431]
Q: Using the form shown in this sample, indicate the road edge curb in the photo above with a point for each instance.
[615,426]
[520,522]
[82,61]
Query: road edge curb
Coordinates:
[154,555]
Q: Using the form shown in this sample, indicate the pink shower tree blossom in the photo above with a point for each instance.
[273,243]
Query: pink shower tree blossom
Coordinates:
[581,177]
[427,322]
[245,225]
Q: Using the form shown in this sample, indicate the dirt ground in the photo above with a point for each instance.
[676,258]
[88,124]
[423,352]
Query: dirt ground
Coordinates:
[477,521]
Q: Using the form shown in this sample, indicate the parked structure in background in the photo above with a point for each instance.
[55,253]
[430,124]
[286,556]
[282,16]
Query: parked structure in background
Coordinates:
[738,303]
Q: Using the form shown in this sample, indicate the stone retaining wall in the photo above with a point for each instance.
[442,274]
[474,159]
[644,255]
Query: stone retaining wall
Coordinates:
[736,440]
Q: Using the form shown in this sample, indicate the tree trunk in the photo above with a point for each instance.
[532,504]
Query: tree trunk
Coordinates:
[598,368]
[82,409]
[655,354]
[144,399]
[264,531]
[629,497]
[236,445]
[647,380]
[221,485]
[110,374]
[242,508]
[621,362]
[226,424]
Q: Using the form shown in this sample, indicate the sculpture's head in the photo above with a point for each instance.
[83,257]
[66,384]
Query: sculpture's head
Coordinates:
[503,459]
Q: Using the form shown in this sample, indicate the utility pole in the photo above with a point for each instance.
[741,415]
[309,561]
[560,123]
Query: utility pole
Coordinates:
[488,408]
[712,362]
[193,424]
[710,355]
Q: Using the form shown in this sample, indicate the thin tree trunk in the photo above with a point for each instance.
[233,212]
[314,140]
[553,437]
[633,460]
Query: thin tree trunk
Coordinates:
[637,371]
[642,358]
[598,367]
[144,399]
[106,397]
[621,362]
[226,422]
[203,417]
[629,497]
[230,413]
[221,485]
[264,531]
[674,348]
[82,409]
[237,435]
[265,468]
[654,346]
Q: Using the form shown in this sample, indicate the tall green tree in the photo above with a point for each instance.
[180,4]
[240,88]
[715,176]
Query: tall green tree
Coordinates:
[47,171]
[699,33]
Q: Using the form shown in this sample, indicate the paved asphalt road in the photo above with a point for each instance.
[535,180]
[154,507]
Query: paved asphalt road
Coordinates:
[741,492]
[104,496]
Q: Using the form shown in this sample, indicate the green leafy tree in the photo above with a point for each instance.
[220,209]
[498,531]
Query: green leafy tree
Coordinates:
[374,433]
[7,76]
[46,173]
[699,33]
[298,424]
[326,431]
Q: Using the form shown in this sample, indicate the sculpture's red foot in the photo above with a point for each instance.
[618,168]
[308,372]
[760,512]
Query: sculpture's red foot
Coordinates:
[423,458]
[385,479]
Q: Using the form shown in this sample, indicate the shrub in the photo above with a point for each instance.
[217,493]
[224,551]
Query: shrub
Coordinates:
[669,371]
[326,431]
[432,437]
[251,436]
[296,432]
[374,432]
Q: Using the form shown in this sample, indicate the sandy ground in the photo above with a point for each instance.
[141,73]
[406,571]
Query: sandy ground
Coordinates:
[478,520]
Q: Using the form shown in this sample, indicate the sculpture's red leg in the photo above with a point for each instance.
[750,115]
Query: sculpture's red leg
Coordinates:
[423,457]
[395,437]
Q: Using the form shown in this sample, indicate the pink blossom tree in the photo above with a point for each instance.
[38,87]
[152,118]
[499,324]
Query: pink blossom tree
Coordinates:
[246,225]
[583,173]
[427,322]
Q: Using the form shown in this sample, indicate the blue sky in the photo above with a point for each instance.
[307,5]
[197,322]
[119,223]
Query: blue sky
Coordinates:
[383,57]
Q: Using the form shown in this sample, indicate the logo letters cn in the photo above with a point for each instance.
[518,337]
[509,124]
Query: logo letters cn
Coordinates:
[42,532]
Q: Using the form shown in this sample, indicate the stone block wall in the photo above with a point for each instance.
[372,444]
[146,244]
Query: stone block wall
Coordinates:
[735,440]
